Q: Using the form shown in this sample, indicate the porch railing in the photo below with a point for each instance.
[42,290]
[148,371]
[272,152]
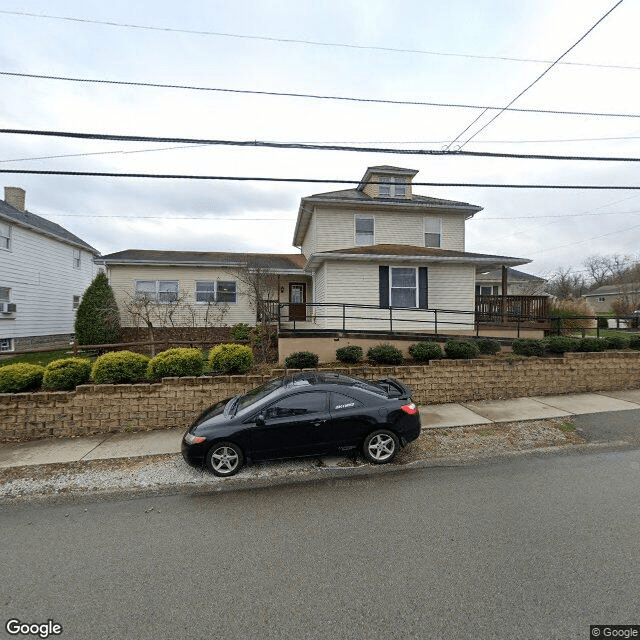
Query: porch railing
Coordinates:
[509,308]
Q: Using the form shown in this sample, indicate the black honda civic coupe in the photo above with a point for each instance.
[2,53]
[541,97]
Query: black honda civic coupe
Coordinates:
[308,414]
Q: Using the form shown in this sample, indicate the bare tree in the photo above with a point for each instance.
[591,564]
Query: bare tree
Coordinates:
[566,284]
[598,270]
[259,282]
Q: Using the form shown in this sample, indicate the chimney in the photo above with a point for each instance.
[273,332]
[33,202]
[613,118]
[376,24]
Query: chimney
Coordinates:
[15,196]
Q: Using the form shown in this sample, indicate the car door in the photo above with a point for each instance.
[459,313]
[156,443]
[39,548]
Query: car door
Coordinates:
[292,426]
[350,421]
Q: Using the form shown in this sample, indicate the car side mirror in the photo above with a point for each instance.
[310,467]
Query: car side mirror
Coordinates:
[260,420]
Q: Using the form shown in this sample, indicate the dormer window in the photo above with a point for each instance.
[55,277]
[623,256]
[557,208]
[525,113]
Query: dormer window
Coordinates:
[364,230]
[392,187]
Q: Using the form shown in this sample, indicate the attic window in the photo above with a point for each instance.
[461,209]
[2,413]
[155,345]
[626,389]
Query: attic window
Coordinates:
[392,187]
[5,236]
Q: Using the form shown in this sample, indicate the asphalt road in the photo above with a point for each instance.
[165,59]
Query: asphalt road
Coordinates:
[535,547]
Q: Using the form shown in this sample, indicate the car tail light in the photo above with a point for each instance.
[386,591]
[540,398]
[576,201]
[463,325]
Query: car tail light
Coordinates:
[409,408]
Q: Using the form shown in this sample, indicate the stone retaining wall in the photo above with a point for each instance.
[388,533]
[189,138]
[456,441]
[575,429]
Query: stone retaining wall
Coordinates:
[93,409]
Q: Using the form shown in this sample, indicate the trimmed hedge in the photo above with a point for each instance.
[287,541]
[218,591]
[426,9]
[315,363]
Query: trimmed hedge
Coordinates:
[424,351]
[634,342]
[592,344]
[240,331]
[231,358]
[97,319]
[488,347]
[461,349]
[301,360]
[119,367]
[561,344]
[67,373]
[617,342]
[385,354]
[176,363]
[528,347]
[21,376]
[350,354]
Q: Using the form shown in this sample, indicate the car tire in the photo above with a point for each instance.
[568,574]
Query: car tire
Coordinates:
[224,459]
[380,446]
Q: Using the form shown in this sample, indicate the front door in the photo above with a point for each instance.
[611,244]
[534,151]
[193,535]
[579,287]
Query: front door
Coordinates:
[297,301]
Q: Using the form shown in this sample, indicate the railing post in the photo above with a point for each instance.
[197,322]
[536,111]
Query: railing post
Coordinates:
[597,327]
[518,326]
[344,316]
[435,321]
[390,318]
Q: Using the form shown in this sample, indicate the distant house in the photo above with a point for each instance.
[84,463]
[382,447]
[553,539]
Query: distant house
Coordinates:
[519,283]
[603,297]
[365,252]
[44,270]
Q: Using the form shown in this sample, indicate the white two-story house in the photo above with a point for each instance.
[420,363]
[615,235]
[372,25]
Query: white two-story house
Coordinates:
[44,270]
[378,257]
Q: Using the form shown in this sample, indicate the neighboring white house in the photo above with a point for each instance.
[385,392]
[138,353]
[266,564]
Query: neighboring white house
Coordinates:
[373,247]
[44,271]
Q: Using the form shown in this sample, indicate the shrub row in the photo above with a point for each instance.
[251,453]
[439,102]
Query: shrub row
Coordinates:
[564,344]
[123,367]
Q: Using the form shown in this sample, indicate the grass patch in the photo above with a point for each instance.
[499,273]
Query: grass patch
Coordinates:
[488,432]
[45,357]
[567,426]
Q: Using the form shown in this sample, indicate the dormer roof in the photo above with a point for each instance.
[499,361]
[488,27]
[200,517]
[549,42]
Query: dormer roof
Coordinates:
[387,171]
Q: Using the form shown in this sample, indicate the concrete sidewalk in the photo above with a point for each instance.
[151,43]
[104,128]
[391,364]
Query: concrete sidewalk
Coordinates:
[146,443]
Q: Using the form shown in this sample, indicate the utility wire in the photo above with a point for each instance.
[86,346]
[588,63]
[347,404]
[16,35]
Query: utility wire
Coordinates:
[315,43]
[544,73]
[315,147]
[191,146]
[314,96]
[176,176]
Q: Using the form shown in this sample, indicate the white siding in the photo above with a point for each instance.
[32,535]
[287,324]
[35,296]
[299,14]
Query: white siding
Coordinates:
[450,288]
[39,270]
[334,229]
[122,280]
[309,242]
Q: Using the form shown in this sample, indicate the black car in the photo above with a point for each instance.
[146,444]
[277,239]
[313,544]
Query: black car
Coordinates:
[308,414]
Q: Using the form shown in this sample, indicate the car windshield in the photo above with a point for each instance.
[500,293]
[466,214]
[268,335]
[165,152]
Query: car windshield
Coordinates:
[257,394]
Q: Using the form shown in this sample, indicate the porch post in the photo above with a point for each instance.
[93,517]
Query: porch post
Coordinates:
[504,292]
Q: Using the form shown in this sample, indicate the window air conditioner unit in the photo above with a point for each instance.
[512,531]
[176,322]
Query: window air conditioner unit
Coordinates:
[11,307]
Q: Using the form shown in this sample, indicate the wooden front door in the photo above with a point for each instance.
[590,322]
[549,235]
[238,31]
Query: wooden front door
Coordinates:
[297,301]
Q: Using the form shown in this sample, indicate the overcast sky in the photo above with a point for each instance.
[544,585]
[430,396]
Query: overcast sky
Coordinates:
[266,212]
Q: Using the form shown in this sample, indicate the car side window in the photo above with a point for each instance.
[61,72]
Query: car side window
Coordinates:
[340,402]
[300,404]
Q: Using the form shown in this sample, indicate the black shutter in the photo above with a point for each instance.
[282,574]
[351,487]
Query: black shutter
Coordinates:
[423,292]
[384,287]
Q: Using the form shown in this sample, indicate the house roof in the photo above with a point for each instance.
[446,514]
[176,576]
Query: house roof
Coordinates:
[513,275]
[42,225]
[401,252]
[614,289]
[276,261]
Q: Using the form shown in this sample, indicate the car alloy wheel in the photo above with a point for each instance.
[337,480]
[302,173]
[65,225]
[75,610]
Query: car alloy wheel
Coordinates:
[380,446]
[224,459]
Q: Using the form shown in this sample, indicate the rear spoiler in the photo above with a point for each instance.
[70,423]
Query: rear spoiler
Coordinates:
[395,387]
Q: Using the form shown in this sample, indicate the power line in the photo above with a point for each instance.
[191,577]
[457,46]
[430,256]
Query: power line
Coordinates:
[544,73]
[315,43]
[314,96]
[191,146]
[563,215]
[315,147]
[175,176]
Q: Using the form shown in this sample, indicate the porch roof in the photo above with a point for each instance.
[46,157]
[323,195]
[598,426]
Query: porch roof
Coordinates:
[408,253]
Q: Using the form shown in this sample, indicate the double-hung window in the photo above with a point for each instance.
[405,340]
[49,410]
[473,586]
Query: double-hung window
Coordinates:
[392,187]
[487,290]
[433,232]
[6,345]
[216,291]
[364,230]
[5,294]
[76,302]
[5,236]
[403,287]
[157,290]
[76,258]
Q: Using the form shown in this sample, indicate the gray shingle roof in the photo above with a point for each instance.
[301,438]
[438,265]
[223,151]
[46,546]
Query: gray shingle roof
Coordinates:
[38,223]
[360,196]
[409,250]
[222,258]
[512,274]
